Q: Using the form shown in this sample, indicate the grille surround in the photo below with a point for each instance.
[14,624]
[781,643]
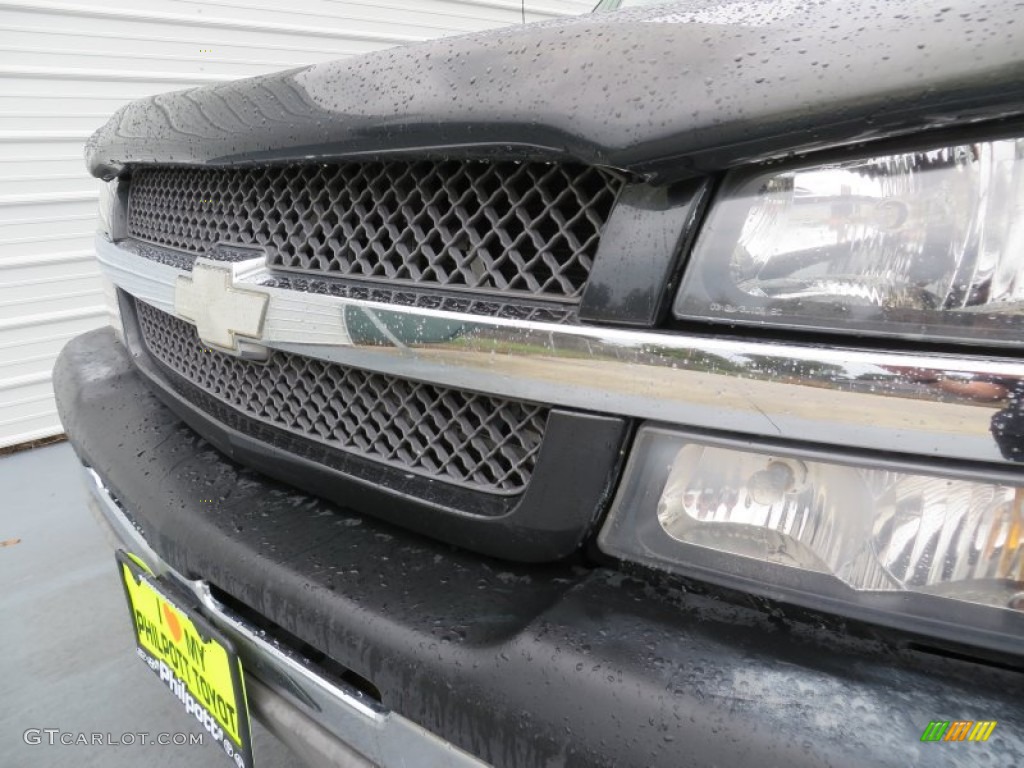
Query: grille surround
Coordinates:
[505,228]
[474,441]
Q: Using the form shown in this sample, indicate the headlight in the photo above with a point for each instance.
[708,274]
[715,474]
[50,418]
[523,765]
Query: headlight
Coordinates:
[943,553]
[923,244]
[110,216]
[107,199]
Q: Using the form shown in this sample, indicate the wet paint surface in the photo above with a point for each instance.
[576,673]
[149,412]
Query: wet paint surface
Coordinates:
[526,665]
[668,88]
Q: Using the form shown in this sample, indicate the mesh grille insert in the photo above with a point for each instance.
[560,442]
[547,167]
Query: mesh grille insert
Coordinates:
[482,442]
[505,227]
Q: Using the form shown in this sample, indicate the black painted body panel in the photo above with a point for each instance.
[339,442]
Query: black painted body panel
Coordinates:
[668,90]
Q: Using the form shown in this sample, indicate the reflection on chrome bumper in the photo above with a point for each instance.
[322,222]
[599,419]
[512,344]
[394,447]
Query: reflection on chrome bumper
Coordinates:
[325,722]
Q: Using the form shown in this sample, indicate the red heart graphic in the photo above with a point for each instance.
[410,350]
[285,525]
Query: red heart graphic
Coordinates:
[172,623]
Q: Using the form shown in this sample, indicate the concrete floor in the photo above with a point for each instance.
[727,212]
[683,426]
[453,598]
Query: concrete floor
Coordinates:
[66,643]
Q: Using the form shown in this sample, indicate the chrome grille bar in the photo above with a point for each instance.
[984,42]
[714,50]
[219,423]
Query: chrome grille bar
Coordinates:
[855,398]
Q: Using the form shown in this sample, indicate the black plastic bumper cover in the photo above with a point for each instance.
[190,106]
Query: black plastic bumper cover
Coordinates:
[521,665]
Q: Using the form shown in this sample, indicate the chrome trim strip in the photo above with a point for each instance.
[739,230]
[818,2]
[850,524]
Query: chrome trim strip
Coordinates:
[274,657]
[916,403]
[311,743]
[124,531]
[383,737]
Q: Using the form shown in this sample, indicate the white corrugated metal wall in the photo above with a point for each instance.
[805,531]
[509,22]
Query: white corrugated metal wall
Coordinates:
[66,66]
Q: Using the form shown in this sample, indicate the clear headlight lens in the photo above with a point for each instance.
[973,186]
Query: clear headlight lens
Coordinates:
[105,207]
[823,531]
[918,244]
[108,217]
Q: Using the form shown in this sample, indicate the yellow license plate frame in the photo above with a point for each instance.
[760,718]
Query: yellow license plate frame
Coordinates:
[196,663]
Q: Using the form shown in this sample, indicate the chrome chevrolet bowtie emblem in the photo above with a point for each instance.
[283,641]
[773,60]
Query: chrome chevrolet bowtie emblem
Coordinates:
[226,316]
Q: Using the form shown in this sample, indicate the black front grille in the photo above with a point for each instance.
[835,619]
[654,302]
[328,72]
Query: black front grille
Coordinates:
[498,227]
[480,442]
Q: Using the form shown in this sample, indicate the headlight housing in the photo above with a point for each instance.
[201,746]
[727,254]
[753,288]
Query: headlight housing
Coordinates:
[107,213]
[923,245]
[940,552]
[109,224]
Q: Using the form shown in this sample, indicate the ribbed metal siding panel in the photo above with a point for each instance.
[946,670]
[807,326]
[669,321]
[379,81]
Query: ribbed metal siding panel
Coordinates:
[66,66]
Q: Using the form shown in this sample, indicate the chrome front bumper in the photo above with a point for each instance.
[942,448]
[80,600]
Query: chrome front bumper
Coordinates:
[326,723]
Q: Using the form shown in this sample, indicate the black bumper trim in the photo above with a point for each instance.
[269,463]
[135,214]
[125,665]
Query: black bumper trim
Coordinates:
[520,665]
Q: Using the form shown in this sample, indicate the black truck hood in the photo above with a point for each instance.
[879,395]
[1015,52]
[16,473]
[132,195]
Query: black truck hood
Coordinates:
[696,86]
